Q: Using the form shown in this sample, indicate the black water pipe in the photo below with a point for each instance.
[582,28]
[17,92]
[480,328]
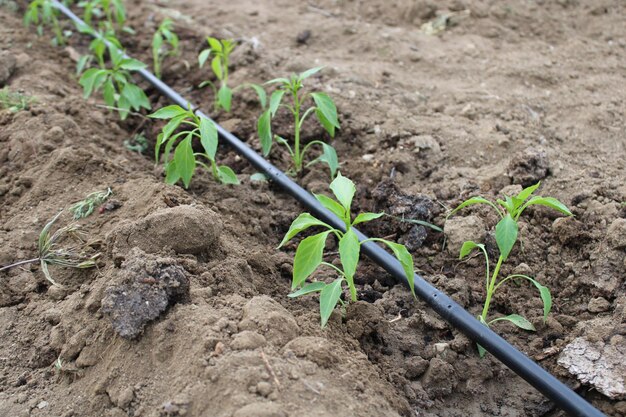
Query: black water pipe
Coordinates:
[543,381]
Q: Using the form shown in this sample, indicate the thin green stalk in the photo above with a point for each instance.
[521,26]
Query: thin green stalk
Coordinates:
[297,157]
[491,288]
[28,261]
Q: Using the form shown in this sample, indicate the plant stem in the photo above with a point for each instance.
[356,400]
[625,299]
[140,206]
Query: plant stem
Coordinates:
[28,261]
[297,157]
[491,288]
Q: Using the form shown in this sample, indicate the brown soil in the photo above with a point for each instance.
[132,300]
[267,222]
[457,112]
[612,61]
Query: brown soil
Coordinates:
[187,312]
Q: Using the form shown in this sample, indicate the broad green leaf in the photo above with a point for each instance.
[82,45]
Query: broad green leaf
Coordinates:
[260,92]
[208,137]
[302,222]
[132,64]
[309,72]
[215,44]
[344,190]
[329,297]
[517,320]
[87,80]
[366,217]
[185,161]
[475,200]
[506,235]
[275,100]
[468,247]
[166,133]
[204,55]
[278,80]
[264,127]
[526,192]
[328,126]
[308,257]
[123,106]
[168,112]
[328,109]
[225,96]
[82,63]
[406,260]
[331,205]
[227,175]
[108,93]
[171,173]
[329,157]
[216,65]
[349,251]
[508,204]
[136,97]
[308,289]
[481,350]
[549,202]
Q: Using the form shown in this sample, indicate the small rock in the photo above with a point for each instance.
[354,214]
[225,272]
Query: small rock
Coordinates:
[529,167]
[440,378]
[247,340]
[415,366]
[598,305]
[461,229]
[303,37]
[616,234]
[7,67]
[42,404]
[264,388]
[260,409]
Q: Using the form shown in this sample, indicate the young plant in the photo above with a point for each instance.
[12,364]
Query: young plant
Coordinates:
[310,252]
[41,13]
[220,50]
[118,90]
[183,164]
[85,207]
[14,101]
[164,44]
[324,109]
[137,143]
[113,11]
[509,210]
[49,253]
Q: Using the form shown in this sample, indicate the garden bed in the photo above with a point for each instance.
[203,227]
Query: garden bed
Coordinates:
[507,96]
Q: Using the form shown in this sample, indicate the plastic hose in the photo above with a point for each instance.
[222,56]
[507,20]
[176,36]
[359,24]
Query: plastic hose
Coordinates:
[542,380]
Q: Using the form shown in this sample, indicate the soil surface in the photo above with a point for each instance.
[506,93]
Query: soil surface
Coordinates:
[187,314]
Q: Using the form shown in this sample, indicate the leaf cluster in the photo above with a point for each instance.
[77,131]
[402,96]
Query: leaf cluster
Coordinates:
[219,50]
[184,161]
[310,252]
[323,107]
[164,44]
[112,11]
[85,207]
[42,13]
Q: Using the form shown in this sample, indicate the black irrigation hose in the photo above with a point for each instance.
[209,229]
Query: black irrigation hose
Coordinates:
[452,312]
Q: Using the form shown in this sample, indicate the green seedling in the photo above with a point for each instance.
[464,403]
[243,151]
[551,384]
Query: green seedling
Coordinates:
[97,47]
[324,109]
[183,164]
[118,90]
[220,50]
[14,101]
[310,252]
[85,207]
[42,13]
[49,252]
[164,44]
[509,211]
[112,11]
[138,143]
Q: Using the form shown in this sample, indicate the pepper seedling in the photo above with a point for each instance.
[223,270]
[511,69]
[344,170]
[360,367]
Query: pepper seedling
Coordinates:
[42,12]
[118,90]
[183,164]
[324,109]
[113,12]
[310,252]
[509,210]
[164,44]
[220,49]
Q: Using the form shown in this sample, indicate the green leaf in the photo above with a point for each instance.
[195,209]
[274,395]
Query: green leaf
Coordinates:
[224,97]
[309,72]
[329,297]
[526,192]
[168,112]
[171,173]
[308,289]
[506,235]
[82,63]
[87,80]
[185,161]
[405,258]
[329,157]
[481,350]
[366,217]
[468,247]
[264,127]
[328,126]
[259,177]
[215,44]
[204,55]
[227,175]
[136,97]
[108,93]
[275,100]
[475,200]
[132,64]
[349,252]
[216,65]
[123,107]
[260,92]
[166,133]
[517,320]
[302,222]
[308,257]
[208,137]
[327,108]
[331,205]
[344,190]
[549,202]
